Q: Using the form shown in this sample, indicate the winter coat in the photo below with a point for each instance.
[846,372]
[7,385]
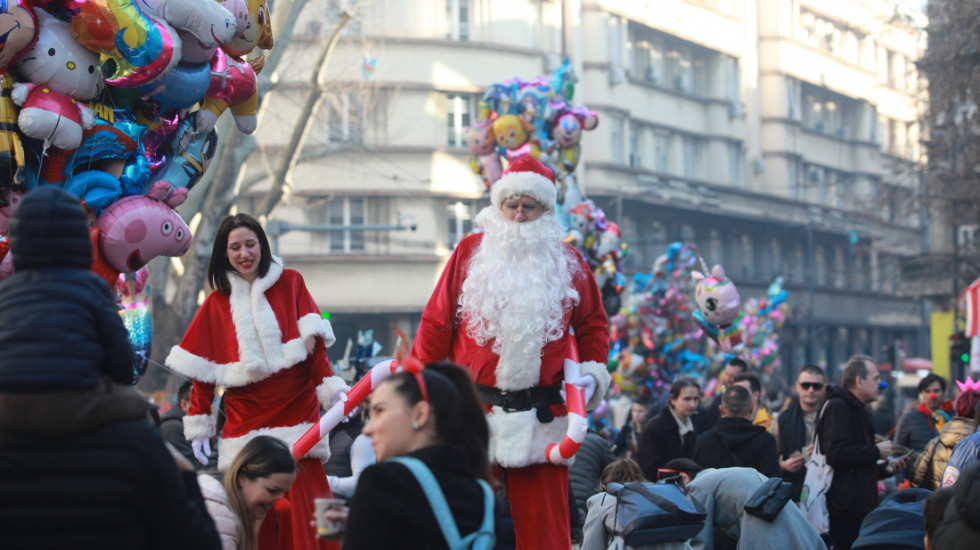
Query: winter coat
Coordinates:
[960,527]
[737,442]
[583,475]
[172,428]
[115,487]
[228,524]
[928,470]
[660,443]
[915,429]
[723,492]
[600,524]
[966,452]
[59,326]
[847,438]
[390,510]
[791,437]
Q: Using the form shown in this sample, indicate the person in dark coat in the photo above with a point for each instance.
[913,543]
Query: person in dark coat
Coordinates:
[672,433]
[66,364]
[116,487]
[794,426]
[847,439]
[960,525]
[583,475]
[734,367]
[448,433]
[172,422]
[920,425]
[628,438]
[734,441]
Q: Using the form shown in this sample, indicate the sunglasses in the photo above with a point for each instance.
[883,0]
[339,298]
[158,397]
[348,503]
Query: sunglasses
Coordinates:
[816,386]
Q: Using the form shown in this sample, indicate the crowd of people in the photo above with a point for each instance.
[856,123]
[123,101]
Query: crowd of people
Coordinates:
[453,450]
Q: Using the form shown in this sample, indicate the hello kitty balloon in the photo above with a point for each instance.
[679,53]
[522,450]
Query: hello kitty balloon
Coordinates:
[718,307]
[61,74]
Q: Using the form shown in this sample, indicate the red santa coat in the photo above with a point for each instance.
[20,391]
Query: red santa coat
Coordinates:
[516,438]
[266,343]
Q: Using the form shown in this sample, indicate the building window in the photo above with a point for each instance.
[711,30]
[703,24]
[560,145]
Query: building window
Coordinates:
[348,211]
[458,19]
[636,160]
[346,118]
[459,110]
[616,125]
[661,151]
[460,221]
[692,149]
[735,163]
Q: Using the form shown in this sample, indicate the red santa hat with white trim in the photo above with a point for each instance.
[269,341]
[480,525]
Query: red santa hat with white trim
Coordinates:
[526,176]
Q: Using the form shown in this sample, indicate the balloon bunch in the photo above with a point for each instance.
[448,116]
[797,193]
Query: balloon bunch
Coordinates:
[135,291]
[534,117]
[656,338]
[759,325]
[116,101]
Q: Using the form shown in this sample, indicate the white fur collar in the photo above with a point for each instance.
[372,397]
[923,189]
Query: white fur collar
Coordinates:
[256,326]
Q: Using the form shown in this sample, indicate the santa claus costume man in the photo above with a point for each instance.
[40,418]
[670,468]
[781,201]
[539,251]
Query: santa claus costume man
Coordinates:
[504,307]
[260,335]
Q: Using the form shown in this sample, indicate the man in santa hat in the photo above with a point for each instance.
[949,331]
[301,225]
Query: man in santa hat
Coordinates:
[504,307]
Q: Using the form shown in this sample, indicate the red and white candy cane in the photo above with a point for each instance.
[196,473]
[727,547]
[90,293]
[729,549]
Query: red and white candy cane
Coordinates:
[342,409]
[578,422]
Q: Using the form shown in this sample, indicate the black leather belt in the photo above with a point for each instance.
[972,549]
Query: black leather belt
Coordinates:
[539,398]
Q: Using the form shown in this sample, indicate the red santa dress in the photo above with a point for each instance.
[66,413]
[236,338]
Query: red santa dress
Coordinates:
[517,438]
[266,344]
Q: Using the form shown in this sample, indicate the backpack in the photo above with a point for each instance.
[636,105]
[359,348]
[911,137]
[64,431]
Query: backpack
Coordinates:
[481,539]
[648,512]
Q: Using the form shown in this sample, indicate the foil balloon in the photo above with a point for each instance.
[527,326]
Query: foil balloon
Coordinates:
[513,132]
[183,170]
[134,292]
[18,30]
[206,20]
[718,307]
[232,85]
[485,161]
[182,87]
[136,49]
[12,157]
[61,73]
[136,229]
[257,31]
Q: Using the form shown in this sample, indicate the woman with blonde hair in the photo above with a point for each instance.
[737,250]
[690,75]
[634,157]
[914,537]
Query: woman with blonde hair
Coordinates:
[259,476]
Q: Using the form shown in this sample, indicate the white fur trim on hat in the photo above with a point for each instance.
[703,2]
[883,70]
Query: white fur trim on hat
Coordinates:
[326,391]
[531,184]
[602,378]
[517,439]
[229,447]
[198,426]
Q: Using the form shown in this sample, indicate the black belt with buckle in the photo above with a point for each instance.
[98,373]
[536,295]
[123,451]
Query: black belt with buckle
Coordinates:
[539,398]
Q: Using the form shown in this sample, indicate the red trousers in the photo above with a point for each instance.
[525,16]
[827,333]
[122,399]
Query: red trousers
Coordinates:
[538,497]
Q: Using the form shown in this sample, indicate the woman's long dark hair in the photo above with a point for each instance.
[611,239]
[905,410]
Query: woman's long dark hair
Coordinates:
[219,266]
[456,407]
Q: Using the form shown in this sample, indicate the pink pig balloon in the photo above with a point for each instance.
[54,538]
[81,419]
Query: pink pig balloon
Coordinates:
[136,229]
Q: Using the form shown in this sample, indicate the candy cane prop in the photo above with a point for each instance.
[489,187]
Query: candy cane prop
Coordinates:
[342,409]
[578,422]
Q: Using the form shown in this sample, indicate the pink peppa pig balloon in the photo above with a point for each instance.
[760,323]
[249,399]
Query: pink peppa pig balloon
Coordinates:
[136,229]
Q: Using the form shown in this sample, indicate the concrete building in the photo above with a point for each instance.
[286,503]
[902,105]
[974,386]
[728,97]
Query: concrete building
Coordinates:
[778,135]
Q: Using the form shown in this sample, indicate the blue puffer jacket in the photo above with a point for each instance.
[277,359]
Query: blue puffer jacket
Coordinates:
[59,326]
[966,452]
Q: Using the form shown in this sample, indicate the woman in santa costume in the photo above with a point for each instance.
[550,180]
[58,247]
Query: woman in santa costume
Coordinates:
[262,337]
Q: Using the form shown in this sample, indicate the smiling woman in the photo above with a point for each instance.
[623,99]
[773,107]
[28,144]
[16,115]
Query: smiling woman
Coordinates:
[261,335]
[259,476]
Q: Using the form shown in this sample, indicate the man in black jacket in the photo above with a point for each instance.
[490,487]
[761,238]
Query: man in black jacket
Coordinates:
[727,377]
[793,428]
[734,441]
[847,438]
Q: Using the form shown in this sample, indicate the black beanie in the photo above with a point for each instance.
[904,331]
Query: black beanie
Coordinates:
[49,230]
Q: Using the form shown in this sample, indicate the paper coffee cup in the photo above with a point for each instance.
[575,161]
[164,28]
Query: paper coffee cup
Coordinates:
[323,525]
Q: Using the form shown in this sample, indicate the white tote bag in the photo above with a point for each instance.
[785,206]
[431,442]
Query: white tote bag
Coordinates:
[819,474]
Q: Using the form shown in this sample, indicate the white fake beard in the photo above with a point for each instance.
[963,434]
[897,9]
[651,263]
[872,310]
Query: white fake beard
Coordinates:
[518,285]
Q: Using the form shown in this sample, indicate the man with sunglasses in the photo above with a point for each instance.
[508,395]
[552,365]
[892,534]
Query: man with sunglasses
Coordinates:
[505,307]
[793,428]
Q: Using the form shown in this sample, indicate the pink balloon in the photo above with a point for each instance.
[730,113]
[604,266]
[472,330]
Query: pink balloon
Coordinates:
[136,229]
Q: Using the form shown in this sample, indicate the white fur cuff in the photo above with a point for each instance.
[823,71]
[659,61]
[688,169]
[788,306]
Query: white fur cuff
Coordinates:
[198,426]
[229,447]
[602,378]
[517,439]
[329,388]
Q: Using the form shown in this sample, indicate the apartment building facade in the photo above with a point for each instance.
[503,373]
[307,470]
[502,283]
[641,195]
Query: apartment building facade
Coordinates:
[780,136]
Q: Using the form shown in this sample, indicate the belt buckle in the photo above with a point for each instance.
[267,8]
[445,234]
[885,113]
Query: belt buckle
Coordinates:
[505,399]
